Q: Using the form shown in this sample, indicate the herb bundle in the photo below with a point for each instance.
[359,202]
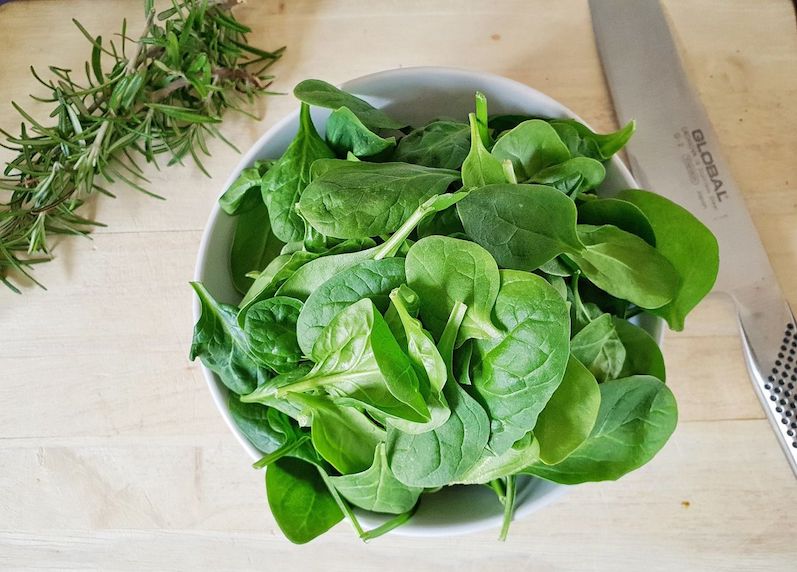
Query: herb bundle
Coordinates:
[164,92]
[449,304]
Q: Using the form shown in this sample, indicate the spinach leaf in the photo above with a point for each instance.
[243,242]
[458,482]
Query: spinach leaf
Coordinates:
[266,393]
[572,177]
[300,500]
[444,271]
[270,326]
[426,359]
[266,428]
[636,418]
[376,488]
[445,223]
[624,215]
[517,376]
[284,267]
[531,146]
[360,199]
[441,144]
[244,192]
[323,94]
[691,248]
[253,246]
[480,168]
[310,277]
[599,348]
[346,133]
[490,466]
[372,279]
[283,184]
[642,353]
[626,266]
[441,456]
[522,226]
[569,415]
[357,359]
[343,436]
[222,345]
[583,142]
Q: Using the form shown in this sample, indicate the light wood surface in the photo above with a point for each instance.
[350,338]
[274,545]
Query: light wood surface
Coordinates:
[112,456]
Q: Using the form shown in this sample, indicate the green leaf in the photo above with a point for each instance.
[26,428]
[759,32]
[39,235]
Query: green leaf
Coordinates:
[343,436]
[357,359]
[583,142]
[322,94]
[622,214]
[520,369]
[687,244]
[377,489]
[270,326]
[180,113]
[253,246]
[266,428]
[642,353]
[299,500]
[572,177]
[626,266]
[372,279]
[445,271]
[480,168]
[346,133]
[570,414]
[636,418]
[522,226]
[490,466]
[599,348]
[359,199]
[310,277]
[531,146]
[441,456]
[441,144]
[222,345]
[244,193]
[284,183]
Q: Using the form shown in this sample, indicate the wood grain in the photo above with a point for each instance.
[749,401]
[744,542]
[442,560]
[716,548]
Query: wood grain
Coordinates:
[112,456]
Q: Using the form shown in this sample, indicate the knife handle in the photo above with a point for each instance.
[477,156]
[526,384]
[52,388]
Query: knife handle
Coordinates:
[773,371]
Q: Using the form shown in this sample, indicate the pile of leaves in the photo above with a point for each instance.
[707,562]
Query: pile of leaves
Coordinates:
[444,305]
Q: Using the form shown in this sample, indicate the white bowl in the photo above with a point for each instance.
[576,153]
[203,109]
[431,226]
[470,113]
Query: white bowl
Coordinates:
[415,96]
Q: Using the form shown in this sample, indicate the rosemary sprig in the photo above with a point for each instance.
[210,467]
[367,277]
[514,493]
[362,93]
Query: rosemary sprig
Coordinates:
[162,93]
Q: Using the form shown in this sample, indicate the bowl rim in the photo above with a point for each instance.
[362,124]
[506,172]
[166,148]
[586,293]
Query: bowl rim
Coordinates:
[219,393]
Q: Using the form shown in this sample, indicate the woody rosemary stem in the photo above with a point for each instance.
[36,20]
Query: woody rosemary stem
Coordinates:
[190,65]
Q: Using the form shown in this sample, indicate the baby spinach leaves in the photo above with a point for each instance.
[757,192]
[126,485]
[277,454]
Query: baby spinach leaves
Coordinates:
[322,94]
[358,359]
[299,500]
[346,133]
[392,338]
[522,226]
[372,279]
[687,244]
[361,199]
[376,488]
[445,271]
[626,266]
[517,375]
[284,183]
[271,328]
[530,147]
[636,418]
[222,345]
[441,144]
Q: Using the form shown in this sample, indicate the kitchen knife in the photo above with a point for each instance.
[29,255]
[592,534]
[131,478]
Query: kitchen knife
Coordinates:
[675,153]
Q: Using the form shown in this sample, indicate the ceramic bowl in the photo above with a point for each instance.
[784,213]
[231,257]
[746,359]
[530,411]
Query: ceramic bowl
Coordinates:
[414,96]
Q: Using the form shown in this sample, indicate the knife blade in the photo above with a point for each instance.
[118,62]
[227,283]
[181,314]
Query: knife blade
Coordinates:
[675,153]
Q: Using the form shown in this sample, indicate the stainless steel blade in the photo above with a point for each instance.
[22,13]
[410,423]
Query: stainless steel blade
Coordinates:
[675,153]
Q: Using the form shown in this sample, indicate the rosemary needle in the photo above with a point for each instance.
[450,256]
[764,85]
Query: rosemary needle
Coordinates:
[162,93]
